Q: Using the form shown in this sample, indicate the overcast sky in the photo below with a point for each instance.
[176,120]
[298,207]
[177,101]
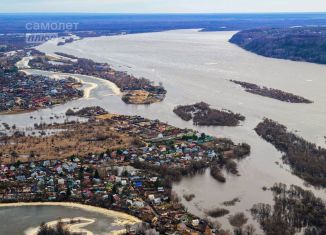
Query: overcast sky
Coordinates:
[163,6]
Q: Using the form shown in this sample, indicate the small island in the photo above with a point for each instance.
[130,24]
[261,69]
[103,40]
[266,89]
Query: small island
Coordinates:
[296,43]
[87,112]
[272,93]
[66,55]
[66,41]
[203,115]
[65,227]
[134,90]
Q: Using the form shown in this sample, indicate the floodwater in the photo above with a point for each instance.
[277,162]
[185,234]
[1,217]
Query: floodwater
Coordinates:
[25,219]
[196,66]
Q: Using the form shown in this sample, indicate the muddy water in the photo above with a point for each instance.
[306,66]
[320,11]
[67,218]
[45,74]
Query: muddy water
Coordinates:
[195,66]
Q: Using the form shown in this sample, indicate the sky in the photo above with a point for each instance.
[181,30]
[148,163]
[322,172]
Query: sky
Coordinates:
[163,6]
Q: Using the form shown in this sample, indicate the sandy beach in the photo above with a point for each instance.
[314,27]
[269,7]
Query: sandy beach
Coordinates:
[90,85]
[120,218]
[77,227]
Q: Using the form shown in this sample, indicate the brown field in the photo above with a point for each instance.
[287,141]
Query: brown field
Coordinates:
[77,139]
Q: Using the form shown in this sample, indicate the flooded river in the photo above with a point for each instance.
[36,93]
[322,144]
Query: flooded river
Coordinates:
[195,66]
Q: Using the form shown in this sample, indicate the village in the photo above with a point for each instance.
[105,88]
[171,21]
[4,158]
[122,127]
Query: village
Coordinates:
[136,180]
[20,92]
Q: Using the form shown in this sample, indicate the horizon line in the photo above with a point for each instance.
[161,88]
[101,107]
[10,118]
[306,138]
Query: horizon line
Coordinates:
[165,13]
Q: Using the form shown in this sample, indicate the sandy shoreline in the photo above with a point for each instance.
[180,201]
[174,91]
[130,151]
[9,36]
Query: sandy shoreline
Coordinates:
[123,218]
[112,86]
[73,228]
[23,63]
[87,90]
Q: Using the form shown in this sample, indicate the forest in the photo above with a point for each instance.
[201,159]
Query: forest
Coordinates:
[306,159]
[295,43]
[294,210]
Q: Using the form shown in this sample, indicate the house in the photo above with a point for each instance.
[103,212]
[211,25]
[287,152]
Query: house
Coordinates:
[160,189]
[195,222]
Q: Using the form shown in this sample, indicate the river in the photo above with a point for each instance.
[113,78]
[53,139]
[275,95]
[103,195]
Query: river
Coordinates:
[196,66]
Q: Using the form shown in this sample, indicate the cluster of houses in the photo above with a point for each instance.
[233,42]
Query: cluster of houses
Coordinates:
[106,180]
[128,180]
[21,92]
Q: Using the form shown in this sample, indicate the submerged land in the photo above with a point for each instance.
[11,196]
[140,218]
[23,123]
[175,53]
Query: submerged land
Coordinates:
[306,159]
[151,154]
[295,210]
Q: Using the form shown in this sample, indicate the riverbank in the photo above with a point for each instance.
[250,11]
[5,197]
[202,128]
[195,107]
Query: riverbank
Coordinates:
[73,225]
[295,43]
[115,214]
[134,90]
[82,79]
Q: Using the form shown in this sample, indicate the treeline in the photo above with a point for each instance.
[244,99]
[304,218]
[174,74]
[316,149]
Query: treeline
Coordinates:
[217,212]
[59,229]
[226,160]
[90,111]
[173,174]
[298,44]
[295,210]
[66,55]
[223,163]
[306,159]
[217,173]
[203,115]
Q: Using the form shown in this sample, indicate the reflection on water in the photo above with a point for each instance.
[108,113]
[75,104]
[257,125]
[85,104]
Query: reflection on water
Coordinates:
[194,67]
